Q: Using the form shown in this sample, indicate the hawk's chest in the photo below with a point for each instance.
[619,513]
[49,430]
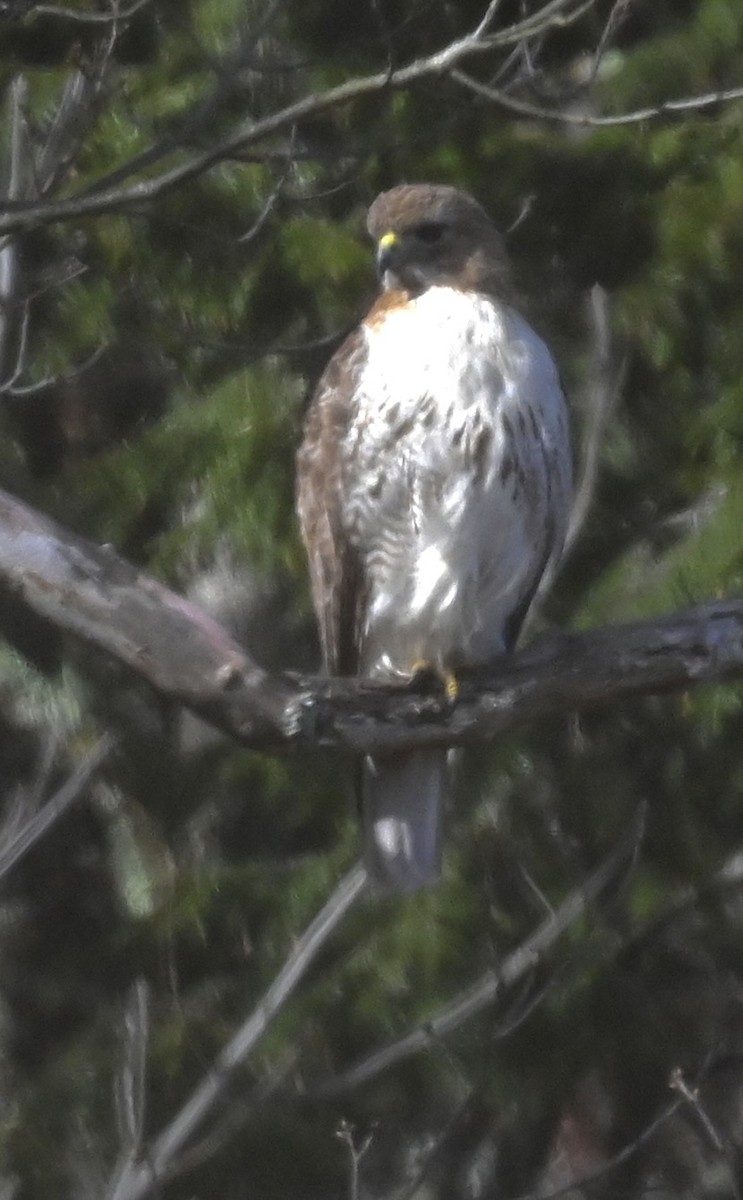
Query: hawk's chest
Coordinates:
[425,416]
[455,469]
[432,365]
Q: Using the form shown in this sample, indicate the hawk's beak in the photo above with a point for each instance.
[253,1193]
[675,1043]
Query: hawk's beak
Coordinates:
[387,253]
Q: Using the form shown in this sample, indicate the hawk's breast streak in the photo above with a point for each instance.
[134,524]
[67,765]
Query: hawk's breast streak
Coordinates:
[459,491]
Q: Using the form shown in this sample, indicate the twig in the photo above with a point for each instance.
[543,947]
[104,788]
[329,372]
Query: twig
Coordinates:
[487,19]
[686,1095]
[555,13]
[685,900]
[52,381]
[7,386]
[195,120]
[357,1148]
[72,14]
[45,766]
[17,169]
[65,133]
[267,208]
[605,388]
[483,993]
[690,1096]
[729,875]
[42,821]
[616,1160]
[525,108]
[619,13]
[435,1152]
[232,1119]
[143,1178]
[131,1084]
[27,798]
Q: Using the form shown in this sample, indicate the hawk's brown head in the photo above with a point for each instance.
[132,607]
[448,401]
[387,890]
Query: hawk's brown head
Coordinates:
[429,234]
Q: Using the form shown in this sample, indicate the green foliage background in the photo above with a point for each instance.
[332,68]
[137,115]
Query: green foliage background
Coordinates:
[178,342]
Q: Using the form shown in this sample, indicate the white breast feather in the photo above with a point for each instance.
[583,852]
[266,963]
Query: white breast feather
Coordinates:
[460,490]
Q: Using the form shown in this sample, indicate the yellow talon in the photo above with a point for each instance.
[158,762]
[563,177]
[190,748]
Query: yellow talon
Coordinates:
[448,679]
[451,683]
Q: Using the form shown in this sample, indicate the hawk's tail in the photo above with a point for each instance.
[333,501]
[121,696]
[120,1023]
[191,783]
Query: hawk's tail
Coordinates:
[402,802]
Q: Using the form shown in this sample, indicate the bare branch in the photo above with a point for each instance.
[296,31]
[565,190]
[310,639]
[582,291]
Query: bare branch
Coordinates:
[435,1152]
[690,1095]
[199,117]
[11,388]
[729,875]
[43,773]
[22,841]
[73,14]
[483,993]
[143,1179]
[552,14]
[7,386]
[66,130]
[619,13]
[17,172]
[605,384]
[358,1147]
[232,1118]
[90,592]
[525,108]
[131,1084]
[616,1160]
[487,19]
[267,208]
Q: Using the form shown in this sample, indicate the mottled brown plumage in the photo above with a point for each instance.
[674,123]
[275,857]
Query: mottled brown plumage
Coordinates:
[433,487]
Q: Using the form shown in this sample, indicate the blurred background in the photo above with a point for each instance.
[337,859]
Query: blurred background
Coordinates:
[155,360]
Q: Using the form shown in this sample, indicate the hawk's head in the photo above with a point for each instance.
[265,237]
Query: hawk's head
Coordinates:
[428,234]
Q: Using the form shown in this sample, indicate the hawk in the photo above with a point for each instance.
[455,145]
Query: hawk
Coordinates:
[433,489]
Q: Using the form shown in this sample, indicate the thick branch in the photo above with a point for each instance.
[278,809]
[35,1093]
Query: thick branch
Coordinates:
[92,593]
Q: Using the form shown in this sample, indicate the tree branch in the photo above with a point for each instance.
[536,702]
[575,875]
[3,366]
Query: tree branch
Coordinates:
[90,592]
[525,108]
[135,1180]
[16,842]
[622,1156]
[486,990]
[83,18]
[478,41]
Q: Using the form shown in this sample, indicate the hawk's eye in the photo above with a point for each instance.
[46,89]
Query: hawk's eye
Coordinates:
[430,232]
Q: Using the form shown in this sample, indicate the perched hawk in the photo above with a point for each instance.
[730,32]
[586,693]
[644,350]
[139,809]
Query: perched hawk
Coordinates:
[434,486]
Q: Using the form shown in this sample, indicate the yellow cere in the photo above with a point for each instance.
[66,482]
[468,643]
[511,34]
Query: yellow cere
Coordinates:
[387,240]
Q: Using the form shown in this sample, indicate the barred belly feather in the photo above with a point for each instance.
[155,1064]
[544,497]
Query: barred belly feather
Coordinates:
[460,486]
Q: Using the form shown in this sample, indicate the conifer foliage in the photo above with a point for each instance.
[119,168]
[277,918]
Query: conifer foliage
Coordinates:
[198,996]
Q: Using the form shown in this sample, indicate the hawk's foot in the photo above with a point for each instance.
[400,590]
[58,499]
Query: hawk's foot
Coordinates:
[421,669]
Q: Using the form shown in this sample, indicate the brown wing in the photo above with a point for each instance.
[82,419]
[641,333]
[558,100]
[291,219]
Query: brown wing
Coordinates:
[335,577]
